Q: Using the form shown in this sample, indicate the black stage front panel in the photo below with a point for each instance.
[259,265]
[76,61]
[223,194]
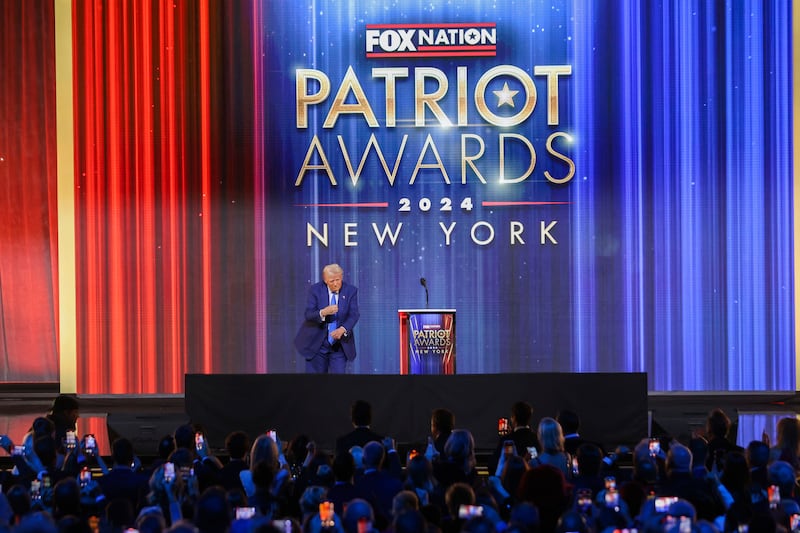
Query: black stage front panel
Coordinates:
[612,406]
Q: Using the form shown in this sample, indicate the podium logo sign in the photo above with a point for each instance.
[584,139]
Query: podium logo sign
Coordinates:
[432,343]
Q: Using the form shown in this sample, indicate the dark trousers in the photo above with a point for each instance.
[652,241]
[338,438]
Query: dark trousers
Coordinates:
[329,360]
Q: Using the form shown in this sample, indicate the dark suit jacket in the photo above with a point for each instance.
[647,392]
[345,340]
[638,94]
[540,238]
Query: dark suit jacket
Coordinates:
[358,437]
[313,331]
[124,483]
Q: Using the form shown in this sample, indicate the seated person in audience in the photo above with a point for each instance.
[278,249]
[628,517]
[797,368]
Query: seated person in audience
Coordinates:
[46,450]
[420,480]
[680,482]
[411,522]
[521,434]
[443,422]
[588,476]
[570,424]
[343,490]
[123,481]
[457,495]
[237,443]
[206,466]
[166,445]
[546,487]
[782,475]
[524,518]
[361,418]
[458,464]
[788,443]
[67,500]
[757,455]
[552,441]
[357,452]
[377,486]
[735,475]
[309,502]
[267,481]
[212,513]
[358,516]
[717,427]
[403,502]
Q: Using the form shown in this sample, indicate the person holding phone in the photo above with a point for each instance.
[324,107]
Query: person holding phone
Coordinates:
[521,433]
[325,338]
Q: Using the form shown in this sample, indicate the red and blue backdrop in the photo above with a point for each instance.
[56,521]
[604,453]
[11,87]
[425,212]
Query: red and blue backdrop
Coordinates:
[593,186]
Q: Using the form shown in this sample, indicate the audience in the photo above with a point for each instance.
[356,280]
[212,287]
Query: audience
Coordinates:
[366,489]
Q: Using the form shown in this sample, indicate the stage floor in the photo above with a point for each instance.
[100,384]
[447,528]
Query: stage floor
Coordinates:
[145,418]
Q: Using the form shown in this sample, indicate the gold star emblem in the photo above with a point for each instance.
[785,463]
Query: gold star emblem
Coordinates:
[505,96]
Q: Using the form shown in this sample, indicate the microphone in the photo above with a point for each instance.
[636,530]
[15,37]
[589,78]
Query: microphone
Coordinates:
[424,283]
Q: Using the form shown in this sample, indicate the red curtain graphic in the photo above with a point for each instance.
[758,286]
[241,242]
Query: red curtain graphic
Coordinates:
[164,202]
[28,183]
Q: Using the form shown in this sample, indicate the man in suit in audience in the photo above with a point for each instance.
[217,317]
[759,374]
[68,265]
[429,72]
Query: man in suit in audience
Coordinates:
[123,481]
[522,434]
[325,337]
[238,445]
[377,486]
[361,417]
[570,424]
[443,422]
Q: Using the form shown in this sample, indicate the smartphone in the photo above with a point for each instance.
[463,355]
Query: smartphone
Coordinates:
[533,452]
[36,488]
[502,426]
[364,525]
[199,441]
[508,447]
[412,454]
[655,447]
[86,476]
[18,450]
[611,483]
[326,514]
[90,444]
[169,472]
[245,513]
[273,435]
[70,440]
[663,503]
[774,493]
[285,526]
[794,522]
[470,511]
[685,525]
[575,470]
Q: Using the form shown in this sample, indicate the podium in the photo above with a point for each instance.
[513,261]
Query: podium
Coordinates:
[427,341]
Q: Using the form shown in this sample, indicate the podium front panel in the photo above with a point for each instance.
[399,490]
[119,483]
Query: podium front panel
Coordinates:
[427,341]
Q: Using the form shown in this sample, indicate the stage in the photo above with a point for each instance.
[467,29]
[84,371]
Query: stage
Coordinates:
[145,418]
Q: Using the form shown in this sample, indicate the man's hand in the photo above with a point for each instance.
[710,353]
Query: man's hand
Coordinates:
[329,310]
[338,333]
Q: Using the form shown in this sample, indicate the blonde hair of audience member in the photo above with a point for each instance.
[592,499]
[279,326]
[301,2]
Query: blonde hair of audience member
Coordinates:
[551,438]
[460,448]
[550,435]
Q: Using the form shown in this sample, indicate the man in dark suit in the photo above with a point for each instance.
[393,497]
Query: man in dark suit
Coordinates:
[325,338]
[377,486]
[523,436]
[361,417]
[238,445]
[123,481]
